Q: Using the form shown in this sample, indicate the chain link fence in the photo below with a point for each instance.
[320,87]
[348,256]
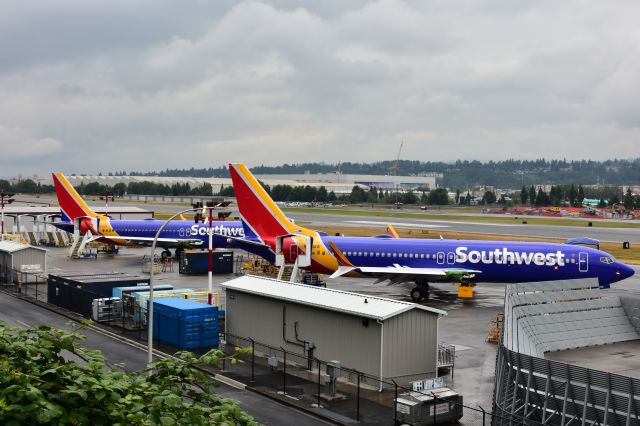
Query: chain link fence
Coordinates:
[325,387]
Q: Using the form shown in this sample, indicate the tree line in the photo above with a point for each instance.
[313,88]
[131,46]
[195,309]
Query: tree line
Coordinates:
[558,195]
[570,195]
[26,186]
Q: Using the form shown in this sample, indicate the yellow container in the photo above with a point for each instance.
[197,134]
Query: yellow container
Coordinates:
[465,292]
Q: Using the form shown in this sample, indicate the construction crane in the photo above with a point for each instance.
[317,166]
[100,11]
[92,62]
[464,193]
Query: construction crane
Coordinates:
[394,168]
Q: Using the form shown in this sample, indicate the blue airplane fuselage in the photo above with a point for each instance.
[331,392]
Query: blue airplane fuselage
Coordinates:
[498,261]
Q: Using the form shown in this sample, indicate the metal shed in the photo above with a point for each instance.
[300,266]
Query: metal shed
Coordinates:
[380,337]
[22,257]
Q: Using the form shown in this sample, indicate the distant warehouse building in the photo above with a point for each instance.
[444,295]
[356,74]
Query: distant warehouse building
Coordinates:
[379,337]
[337,182]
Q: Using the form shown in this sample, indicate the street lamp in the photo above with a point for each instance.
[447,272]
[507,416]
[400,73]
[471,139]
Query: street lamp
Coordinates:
[153,249]
[5,199]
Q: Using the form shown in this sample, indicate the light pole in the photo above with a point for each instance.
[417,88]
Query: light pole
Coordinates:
[5,199]
[150,309]
[106,196]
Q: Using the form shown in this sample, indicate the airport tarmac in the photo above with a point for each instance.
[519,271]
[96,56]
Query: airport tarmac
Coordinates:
[466,325]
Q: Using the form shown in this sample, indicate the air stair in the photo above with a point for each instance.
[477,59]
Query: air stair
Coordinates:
[31,237]
[80,241]
[288,271]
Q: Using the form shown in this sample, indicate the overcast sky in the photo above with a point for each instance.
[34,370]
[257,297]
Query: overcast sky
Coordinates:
[89,86]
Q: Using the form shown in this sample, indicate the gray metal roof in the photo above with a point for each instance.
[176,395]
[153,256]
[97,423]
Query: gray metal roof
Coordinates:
[336,300]
[8,246]
[558,315]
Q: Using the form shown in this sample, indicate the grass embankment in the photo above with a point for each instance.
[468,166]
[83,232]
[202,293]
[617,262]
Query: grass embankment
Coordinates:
[488,218]
[630,256]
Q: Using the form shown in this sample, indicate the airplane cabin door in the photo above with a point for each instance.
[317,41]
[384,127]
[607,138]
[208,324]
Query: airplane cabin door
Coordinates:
[440,258]
[293,252]
[583,261]
[451,258]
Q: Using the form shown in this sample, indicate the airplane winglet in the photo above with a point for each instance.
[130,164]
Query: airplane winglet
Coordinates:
[340,257]
[392,231]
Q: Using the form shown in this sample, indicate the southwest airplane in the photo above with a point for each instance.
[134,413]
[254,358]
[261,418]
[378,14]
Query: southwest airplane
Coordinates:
[177,234]
[421,261]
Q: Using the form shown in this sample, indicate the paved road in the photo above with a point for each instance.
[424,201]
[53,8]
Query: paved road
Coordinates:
[16,312]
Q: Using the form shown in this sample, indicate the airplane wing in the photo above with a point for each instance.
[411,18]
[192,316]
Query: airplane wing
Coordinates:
[397,274]
[148,241]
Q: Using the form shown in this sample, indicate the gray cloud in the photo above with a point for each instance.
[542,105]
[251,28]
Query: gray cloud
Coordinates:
[103,86]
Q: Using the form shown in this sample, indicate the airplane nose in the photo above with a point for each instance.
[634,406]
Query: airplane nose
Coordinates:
[624,271]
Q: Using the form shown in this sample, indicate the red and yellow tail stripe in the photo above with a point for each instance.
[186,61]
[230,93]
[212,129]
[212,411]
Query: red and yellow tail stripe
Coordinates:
[266,219]
[69,200]
[256,207]
[392,231]
[342,259]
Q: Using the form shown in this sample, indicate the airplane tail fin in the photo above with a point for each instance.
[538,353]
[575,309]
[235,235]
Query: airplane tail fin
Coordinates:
[257,208]
[71,203]
[391,231]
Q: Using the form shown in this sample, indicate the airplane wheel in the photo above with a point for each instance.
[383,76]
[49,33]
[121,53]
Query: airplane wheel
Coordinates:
[416,294]
[166,254]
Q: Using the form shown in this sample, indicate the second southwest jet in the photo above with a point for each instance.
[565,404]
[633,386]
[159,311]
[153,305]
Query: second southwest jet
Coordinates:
[417,260]
[177,234]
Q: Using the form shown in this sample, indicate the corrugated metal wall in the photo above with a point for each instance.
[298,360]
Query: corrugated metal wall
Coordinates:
[555,393]
[410,342]
[410,339]
[5,259]
[28,256]
[337,336]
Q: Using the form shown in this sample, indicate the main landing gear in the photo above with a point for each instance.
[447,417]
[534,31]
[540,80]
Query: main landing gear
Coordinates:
[179,251]
[420,291]
[166,254]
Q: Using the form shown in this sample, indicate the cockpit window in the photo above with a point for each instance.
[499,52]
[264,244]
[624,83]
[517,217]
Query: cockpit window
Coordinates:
[605,259]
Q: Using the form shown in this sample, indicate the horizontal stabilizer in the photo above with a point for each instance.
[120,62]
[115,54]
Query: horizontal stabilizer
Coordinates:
[583,241]
[342,270]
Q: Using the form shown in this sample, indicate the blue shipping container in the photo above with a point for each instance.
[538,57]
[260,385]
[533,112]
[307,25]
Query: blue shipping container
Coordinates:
[185,323]
[118,291]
